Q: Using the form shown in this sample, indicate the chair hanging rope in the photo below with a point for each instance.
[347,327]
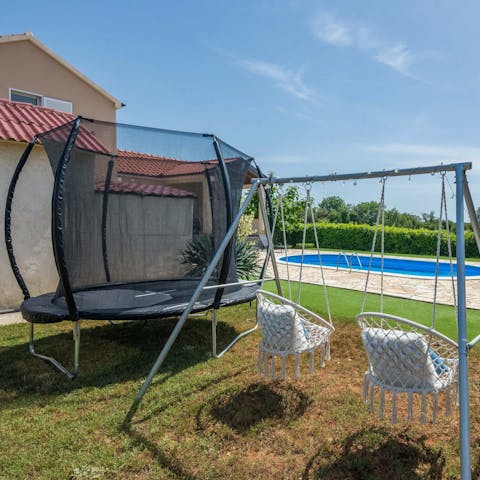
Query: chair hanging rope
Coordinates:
[284,238]
[380,216]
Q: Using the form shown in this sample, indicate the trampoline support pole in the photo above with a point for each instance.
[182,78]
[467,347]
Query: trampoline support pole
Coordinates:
[53,361]
[233,342]
[198,291]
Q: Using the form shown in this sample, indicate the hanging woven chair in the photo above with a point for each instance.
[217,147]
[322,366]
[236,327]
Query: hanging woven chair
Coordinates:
[407,358]
[288,329]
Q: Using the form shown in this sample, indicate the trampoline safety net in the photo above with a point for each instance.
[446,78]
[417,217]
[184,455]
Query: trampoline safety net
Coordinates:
[139,213]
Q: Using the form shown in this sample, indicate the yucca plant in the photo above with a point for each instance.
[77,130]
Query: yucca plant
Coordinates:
[198,254]
[246,258]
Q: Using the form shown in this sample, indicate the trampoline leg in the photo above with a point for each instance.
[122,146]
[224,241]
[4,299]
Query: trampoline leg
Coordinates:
[55,363]
[233,342]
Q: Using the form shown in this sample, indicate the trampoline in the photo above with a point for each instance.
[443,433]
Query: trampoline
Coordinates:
[128,202]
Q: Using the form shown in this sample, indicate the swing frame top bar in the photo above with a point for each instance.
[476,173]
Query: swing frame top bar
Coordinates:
[397,172]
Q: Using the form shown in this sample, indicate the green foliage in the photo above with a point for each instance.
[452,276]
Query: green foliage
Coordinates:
[245,225]
[246,258]
[198,254]
[307,245]
[333,209]
[293,206]
[349,236]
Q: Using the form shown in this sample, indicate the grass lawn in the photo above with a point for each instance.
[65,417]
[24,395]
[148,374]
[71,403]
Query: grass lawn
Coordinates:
[208,419]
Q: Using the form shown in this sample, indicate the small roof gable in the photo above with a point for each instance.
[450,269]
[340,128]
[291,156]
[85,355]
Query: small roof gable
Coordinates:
[144,189]
[136,163]
[28,36]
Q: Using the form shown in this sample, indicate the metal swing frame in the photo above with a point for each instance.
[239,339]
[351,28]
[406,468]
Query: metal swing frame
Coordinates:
[462,192]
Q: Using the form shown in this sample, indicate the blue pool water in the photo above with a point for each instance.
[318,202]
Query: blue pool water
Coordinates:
[397,266]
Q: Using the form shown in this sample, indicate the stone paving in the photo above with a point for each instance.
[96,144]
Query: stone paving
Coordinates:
[413,288]
[11,318]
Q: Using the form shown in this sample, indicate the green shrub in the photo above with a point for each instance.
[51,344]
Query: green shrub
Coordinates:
[349,236]
[198,254]
[307,245]
[246,258]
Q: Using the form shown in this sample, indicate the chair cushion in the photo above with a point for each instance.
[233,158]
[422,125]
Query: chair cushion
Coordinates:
[401,359]
[282,328]
[440,366]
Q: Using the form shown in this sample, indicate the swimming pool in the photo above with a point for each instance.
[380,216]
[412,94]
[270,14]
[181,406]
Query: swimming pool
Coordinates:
[393,266]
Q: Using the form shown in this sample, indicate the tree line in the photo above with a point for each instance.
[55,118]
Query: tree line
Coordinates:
[334,209]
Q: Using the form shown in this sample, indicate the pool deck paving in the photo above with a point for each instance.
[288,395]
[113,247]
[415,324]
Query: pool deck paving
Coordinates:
[413,288]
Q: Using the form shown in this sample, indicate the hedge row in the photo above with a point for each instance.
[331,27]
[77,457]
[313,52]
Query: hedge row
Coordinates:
[349,236]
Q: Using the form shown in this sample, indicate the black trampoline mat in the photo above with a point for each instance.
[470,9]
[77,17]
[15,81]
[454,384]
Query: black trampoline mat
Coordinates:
[120,298]
[147,300]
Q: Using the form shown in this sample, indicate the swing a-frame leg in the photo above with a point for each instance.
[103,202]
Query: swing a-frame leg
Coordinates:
[76,358]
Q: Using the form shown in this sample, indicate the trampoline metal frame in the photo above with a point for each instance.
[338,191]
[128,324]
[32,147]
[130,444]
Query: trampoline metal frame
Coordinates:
[76,356]
[233,342]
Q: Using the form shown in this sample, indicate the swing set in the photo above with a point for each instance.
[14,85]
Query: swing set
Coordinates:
[441,364]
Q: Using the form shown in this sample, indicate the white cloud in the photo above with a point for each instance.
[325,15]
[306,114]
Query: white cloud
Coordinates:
[330,29]
[290,81]
[397,57]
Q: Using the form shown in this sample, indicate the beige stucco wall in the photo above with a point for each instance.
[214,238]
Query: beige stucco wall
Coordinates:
[30,222]
[154,231]
[196,184]
[25,66]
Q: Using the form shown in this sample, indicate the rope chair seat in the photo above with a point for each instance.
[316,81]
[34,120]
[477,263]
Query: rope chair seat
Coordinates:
[406,357]
[289,329]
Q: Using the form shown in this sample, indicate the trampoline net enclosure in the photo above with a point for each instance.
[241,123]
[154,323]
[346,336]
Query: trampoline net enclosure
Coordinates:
[128,202]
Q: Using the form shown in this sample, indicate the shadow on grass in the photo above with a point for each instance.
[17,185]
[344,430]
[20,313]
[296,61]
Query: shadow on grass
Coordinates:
[168,460]
[258,403]
[109,354]
[377,453]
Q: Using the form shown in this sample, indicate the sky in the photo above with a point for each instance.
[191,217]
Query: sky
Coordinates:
[306,87]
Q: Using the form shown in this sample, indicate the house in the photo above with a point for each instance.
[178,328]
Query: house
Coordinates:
[34,74]
[38,91]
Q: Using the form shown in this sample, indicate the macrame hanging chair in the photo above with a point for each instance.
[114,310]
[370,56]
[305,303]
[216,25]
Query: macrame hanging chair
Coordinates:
[407,360]
[288,329]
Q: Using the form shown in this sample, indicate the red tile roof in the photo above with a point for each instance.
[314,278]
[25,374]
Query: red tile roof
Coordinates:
[22,121]
[135,163]
[144,189]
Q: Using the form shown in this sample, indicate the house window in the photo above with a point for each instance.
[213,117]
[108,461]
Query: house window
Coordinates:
[37,99]
[26,97]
